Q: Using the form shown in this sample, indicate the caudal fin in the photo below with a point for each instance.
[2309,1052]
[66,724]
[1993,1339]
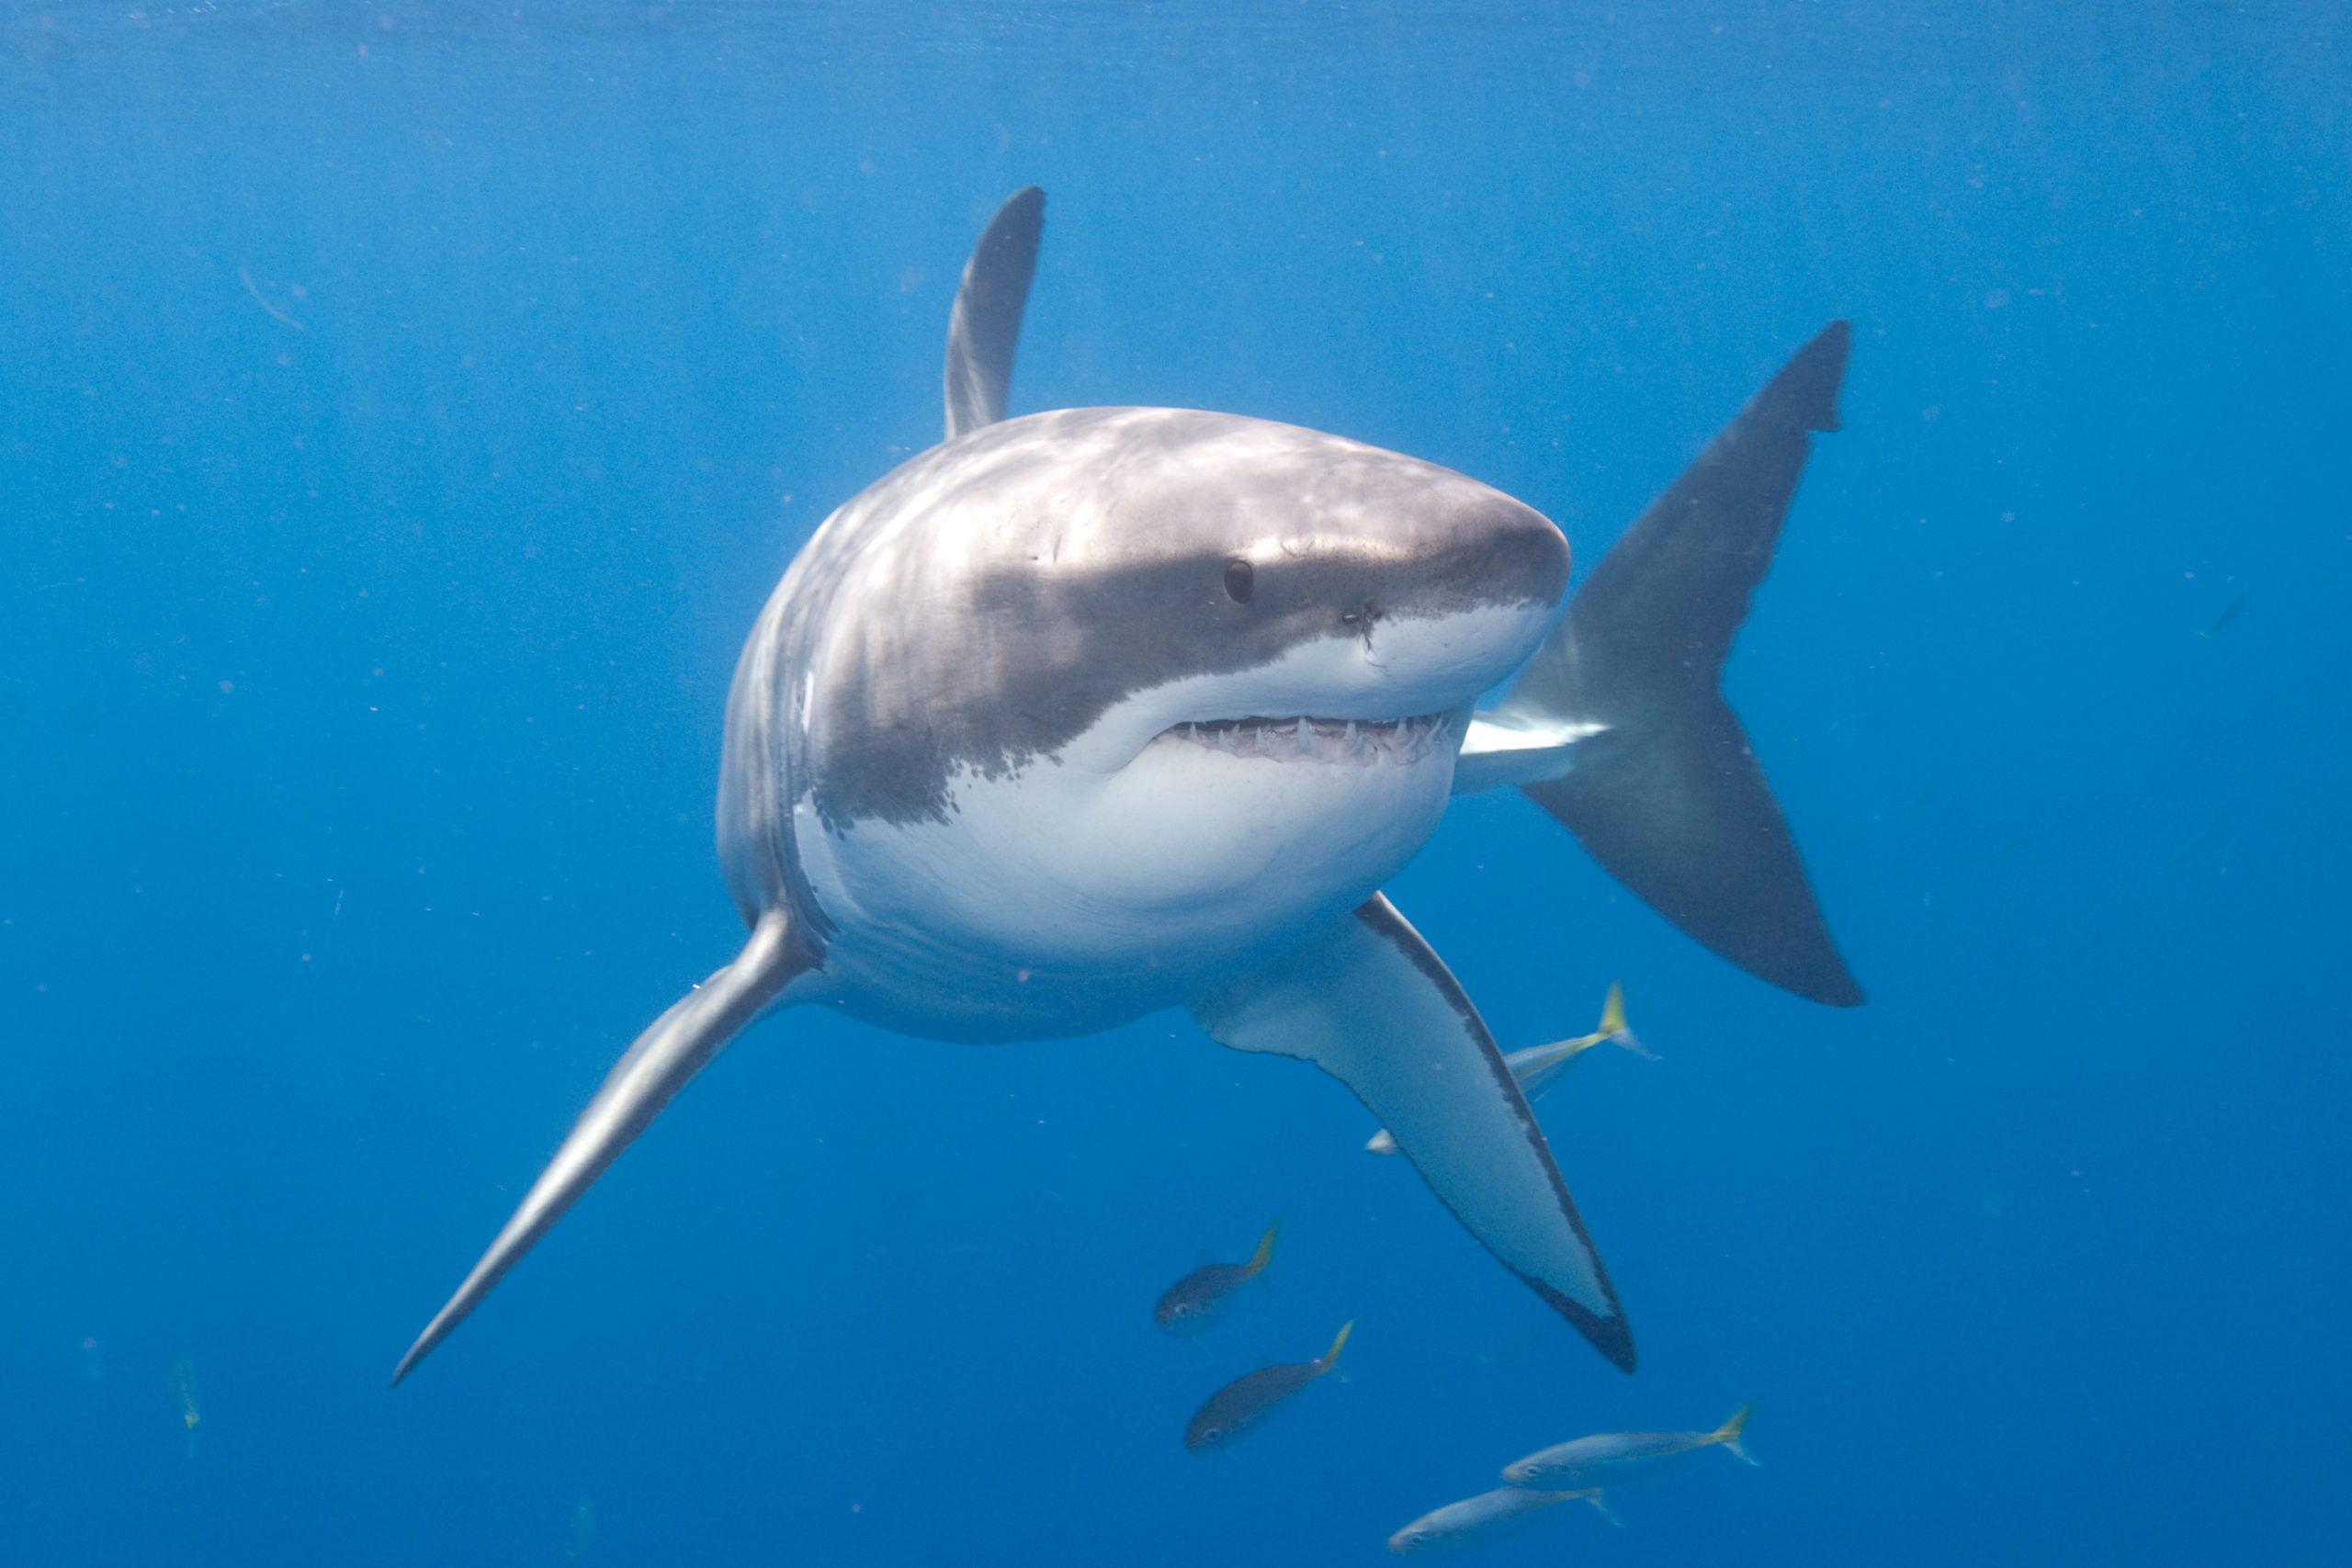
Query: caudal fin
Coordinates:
[1614,1030]
[1663,789]
[1265,1253]
[1330,1358]
[1728,1434]
[1613,1011]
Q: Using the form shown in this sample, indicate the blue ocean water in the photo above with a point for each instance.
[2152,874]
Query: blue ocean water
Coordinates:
[406,408]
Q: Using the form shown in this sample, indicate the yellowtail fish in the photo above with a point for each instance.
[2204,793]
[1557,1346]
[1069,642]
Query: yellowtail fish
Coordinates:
[1482,1520]
[184,1391]
[1241,1405]
[1611,1457]
[1539,1067]
[1192,1303]
[583,1526]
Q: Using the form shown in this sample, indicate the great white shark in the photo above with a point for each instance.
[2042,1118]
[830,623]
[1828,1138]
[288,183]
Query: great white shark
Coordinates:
[1089,713]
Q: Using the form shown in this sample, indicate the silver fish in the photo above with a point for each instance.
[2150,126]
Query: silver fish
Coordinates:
[1482,1520]
[1610,1457]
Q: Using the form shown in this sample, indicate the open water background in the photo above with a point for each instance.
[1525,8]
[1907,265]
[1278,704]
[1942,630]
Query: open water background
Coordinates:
[404,409]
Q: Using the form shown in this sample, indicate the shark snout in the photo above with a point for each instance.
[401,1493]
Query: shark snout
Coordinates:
[1459,599]
[1484,550]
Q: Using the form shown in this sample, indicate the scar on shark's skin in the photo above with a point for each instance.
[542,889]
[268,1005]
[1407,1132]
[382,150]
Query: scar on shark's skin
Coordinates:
[1177,608]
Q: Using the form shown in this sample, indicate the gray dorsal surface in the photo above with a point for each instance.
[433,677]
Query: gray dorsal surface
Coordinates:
[985,326]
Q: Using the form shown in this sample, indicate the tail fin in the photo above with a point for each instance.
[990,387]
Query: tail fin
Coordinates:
[1614,1030]
[1729,1433]
[1663,790]
[1613,1012]
[1330,1358]
[1265,1253]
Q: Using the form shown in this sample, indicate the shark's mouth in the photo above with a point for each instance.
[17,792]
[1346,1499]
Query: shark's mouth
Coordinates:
[1344,743]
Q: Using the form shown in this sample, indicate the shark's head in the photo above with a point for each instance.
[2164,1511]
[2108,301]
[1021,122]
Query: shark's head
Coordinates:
[1204,672]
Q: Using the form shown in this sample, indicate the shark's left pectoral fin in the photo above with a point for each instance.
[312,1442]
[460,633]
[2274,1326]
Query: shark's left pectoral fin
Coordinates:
[1370,1003]
[665,1059]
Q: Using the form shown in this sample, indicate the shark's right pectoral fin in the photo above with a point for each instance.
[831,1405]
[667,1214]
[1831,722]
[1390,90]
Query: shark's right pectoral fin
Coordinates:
[1370,1003]
[664,1059]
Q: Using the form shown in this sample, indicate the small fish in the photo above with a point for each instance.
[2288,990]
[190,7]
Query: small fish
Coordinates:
[1192,1303]
[584,1526]
[1539,1067]
[1483,1519]
[1611,1457]
[184,1391]
[2230,612]
[1241,1405]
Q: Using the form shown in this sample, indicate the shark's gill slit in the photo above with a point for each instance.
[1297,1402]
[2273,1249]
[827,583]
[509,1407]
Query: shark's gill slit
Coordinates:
[1349,742]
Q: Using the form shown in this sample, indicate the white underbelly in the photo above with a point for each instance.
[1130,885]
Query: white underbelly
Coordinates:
[1067,900]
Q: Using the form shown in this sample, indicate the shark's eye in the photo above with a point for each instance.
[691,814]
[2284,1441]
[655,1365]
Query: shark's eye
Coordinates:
[1240,581]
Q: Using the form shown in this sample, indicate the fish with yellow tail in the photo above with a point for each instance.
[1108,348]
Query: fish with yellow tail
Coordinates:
[1241,1405]
[1539,1067]
[1610,1457]
[184,1394]
[1192,1303]
[1484,1519]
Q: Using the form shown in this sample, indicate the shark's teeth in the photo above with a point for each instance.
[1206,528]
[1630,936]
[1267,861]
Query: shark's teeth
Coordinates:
[1362,743]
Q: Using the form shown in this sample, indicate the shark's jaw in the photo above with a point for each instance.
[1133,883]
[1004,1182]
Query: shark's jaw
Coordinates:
[1336,742]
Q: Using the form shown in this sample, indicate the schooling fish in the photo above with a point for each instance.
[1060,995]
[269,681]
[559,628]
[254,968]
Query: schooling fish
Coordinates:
[1611,1457]
[1192,1303]
[1538,1067]
[1246,1401]
[1482,1520]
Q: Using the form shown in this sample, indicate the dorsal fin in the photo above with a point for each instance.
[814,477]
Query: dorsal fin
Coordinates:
[985,327]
